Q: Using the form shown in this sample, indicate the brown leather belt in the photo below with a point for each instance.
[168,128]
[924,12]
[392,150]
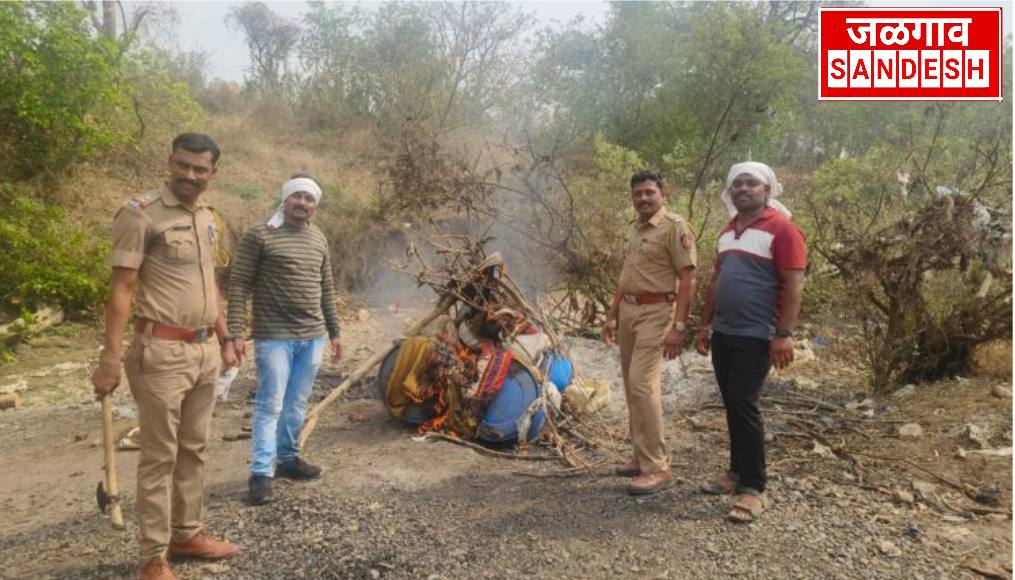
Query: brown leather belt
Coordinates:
[650,298]
[160,330]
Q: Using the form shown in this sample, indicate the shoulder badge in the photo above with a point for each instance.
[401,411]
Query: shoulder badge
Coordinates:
[142,202]
[687,241]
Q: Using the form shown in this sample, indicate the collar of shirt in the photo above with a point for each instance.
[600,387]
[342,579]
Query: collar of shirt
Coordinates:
[169,199]
[766,214]
[654,221]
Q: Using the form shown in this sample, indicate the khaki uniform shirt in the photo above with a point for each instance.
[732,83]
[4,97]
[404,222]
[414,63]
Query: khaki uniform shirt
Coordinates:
[656,251]
[172,248]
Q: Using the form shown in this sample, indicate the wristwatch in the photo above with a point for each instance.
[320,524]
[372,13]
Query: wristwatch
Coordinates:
[783,333]
[680,326]
[227,338]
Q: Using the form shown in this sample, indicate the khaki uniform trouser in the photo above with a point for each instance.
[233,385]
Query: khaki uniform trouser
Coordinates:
[640,333]
[173,383]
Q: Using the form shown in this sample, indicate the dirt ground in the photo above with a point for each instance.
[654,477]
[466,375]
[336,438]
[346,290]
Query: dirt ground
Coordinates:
[851,498]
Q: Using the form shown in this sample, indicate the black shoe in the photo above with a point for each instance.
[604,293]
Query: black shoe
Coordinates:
[260,489]
[297,469]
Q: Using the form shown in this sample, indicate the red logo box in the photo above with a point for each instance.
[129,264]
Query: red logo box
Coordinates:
[910,54]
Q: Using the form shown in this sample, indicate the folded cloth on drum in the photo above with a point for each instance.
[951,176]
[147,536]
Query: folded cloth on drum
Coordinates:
[494,365]
[529,347]
[408,380]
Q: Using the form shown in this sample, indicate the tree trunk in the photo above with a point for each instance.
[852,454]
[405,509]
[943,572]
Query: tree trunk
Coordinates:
[109,19]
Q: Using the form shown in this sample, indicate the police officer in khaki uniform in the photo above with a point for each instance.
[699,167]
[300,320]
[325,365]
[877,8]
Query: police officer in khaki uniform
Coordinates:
[649,314]
[164,257]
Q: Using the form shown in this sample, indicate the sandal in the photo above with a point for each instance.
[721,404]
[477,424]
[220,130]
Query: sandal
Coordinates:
[725,485]
[744,511]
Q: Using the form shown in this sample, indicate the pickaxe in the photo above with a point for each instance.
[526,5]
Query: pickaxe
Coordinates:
[108,495]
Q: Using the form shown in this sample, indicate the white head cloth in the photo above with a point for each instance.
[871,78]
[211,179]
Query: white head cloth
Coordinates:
[763,173]
[294,185]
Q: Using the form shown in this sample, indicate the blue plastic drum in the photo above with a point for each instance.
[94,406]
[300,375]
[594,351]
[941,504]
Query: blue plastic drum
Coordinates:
[560,371]
[515,396]
[498,424]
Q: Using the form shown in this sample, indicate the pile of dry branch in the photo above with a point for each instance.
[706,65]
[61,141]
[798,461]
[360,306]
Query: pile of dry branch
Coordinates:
[469,282]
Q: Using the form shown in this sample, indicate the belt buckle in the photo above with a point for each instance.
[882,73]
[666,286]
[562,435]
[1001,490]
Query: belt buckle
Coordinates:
[200,335]
[630,298]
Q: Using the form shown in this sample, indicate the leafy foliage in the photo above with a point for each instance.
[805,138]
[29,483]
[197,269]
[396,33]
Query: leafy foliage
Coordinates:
[63,89]
[46,259]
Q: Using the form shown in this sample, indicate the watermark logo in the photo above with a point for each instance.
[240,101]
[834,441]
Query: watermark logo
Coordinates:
[910,54]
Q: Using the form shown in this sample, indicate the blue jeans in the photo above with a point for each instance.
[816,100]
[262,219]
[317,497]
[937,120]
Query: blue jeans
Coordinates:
[286,370]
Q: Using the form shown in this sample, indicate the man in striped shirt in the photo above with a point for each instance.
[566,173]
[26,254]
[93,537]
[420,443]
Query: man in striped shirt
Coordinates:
[751,307]
[286,264]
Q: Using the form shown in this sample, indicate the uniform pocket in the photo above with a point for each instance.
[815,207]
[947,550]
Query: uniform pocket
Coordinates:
[654,250]
[180,245]
[162,356]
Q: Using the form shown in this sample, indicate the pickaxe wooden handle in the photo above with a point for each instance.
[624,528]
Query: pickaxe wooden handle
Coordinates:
[315,414]
[109,496]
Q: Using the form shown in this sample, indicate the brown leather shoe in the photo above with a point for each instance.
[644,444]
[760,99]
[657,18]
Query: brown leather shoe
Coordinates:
[648,483]
[203,546]
[629,469]
[157,569]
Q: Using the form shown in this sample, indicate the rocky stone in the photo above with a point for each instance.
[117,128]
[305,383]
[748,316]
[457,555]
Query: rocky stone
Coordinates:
[362,315]
[125,411]
[697,423]
[1001,391]
[860,405]
[904,392]
[911,431]
[15,386]
[889,549]
[903,496]
[822,450]
[924,488]
[955,534]
[977,434]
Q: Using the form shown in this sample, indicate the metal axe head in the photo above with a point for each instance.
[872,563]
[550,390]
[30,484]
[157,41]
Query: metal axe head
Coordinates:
[102,498]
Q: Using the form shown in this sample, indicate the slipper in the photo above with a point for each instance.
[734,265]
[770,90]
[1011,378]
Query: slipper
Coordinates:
[718,487]
[744,513]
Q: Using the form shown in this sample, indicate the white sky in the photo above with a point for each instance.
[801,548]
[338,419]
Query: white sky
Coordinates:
[202,24]
[202,27]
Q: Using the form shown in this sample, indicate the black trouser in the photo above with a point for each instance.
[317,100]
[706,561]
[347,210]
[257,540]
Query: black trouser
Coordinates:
[741,364]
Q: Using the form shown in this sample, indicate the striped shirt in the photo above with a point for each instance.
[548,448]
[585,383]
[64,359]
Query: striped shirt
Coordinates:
[289,271]
[748,285]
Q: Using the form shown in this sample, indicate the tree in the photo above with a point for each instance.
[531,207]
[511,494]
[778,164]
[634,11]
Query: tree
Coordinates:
[270,41]
[474,40]
[63,95]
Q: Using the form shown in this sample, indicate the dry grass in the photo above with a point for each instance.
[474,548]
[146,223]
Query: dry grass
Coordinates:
[994,359]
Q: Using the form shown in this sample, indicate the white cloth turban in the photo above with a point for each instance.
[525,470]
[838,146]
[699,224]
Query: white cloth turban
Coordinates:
[765,174]
[294,185]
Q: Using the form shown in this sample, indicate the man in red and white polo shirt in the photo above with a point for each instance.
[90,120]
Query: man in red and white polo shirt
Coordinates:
[750,309]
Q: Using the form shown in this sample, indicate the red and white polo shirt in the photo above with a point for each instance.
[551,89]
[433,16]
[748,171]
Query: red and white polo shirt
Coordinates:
[748,262]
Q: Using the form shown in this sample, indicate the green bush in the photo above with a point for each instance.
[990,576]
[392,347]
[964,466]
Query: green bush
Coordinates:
[69,95]
[45,259]
[62,94]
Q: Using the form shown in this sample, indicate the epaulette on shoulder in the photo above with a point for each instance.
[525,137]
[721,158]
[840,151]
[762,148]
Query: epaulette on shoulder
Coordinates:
[673,217]
[142,202]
